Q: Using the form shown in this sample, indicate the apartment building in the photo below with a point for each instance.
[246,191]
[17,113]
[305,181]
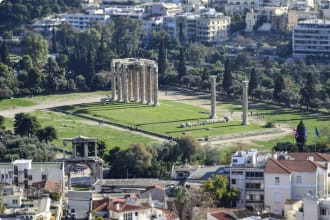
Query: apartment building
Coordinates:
[293,178]
[212,27]
[247,174]
[241,6]
[311,37]
[24,173]
[162,9]
[81,21]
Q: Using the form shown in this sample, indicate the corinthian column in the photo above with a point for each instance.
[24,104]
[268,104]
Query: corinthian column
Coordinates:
[125,87]
[113,82]
[213,97]
[120,84]
[156,103]
[245,103]
[142,86]
[149,85]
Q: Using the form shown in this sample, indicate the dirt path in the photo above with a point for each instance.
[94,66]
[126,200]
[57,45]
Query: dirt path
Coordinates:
[201,100]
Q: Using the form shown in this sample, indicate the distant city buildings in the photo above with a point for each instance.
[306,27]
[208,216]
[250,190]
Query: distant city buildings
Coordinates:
[311,37]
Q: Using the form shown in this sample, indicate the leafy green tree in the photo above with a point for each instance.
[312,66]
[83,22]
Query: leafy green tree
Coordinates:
[4,55]
[25,63]
[127,35]
[54,47]
[47,134]
[279,86]
[37,47]
[197,53]
[188,147]
[218,187]
[26,125]
[227,82]
[182,70]
[300,136]
[253,82]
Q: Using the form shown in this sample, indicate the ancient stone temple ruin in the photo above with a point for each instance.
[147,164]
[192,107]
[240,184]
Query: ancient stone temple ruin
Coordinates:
[135,80]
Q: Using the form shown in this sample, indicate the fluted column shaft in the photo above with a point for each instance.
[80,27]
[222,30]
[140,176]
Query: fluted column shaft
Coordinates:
[142,87]
[125,86]
[213,96]
[113,83]
[156,103]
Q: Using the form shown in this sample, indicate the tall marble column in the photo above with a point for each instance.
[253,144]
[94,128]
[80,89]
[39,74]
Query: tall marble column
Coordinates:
[137,84]
[125,86]
[130,84]
[120,84]
[213,97]
[142,86]
[156,103]
[245,103]
[149,85]
[113,82]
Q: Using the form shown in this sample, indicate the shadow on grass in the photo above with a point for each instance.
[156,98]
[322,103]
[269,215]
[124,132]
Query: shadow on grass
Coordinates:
[165,122]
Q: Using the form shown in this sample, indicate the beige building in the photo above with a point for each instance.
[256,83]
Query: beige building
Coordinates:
[241,6]
[162,9]
[293,179]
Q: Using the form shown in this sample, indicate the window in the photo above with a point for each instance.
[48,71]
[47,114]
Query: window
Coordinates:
[323,211]
[233,181]
[277,181]
[299,180]
[30,177]
[43,176]
[15,201]
[128,216]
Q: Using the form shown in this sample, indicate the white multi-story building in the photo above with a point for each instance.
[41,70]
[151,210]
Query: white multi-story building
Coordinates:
[247,174]
[24,173]
[82,20]
[212,27]
[311,37]
[130,12]
[162,9]
[293,178]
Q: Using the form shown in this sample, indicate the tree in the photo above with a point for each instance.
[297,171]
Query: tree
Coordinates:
[253,82]
[26,125]
[227,82]
[47,134]
[308,92]
[37,47]
[300,136]
[218,187]
[188,147]
[2,121]
[181,201]
[279,86]
[161,59]
[182,71]
[4,53]
[54,47]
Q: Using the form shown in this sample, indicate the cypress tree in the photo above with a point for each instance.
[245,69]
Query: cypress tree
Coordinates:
[227,82]
[253,82]
[54,48]
[300,136]
[279,85]
[161,59]
[182,64]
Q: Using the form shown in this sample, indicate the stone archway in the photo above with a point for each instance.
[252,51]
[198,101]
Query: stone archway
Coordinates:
[93,162]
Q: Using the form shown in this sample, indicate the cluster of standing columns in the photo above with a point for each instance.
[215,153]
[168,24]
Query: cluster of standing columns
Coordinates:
[135,80]
[245,101]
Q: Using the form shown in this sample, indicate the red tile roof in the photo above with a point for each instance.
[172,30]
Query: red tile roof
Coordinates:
[99,205]
[222,216]
[319,157]
[289,166]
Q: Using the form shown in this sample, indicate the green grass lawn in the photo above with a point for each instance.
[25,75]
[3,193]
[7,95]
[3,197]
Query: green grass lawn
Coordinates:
[164,119]
[30,101]
[68,126]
